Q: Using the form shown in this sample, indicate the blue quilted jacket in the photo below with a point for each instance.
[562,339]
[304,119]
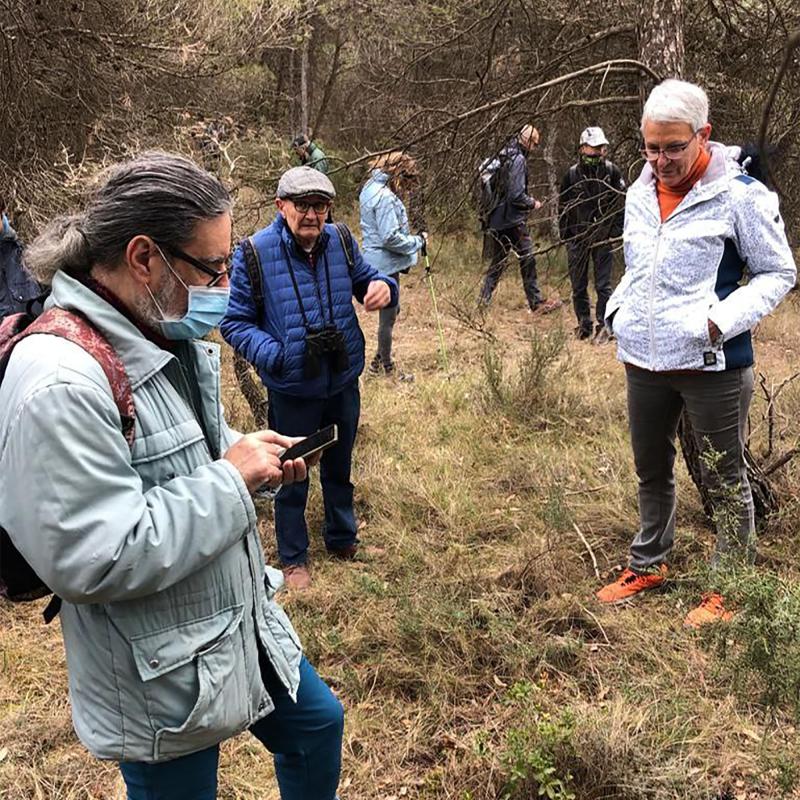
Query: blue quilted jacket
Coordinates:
[272,339]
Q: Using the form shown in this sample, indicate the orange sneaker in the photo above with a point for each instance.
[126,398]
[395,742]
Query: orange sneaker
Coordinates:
[711,609]
[631,583]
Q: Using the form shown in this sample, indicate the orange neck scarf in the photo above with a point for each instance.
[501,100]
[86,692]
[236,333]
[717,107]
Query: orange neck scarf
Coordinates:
[669,198]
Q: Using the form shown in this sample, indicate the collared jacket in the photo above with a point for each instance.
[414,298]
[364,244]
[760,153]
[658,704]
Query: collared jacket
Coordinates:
[316,158]
[386,236]
[273,338]
[16,286]
[513,202]
[591,203]
[154,550]
[721,255]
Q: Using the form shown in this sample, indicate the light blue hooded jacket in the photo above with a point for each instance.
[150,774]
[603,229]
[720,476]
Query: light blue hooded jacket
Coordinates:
[388,243]
[154,551]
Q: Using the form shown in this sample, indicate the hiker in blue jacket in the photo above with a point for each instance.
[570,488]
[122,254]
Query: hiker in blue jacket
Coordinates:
[17,288]
[388,242]
[303,338]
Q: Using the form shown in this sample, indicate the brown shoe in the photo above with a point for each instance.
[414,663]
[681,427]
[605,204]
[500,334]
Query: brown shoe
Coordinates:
[546,306]
[345,553]
[297,577]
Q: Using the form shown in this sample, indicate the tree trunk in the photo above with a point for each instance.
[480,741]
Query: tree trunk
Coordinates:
[252,390]
[553,185]
[304,85]
[661,38]
[329,84]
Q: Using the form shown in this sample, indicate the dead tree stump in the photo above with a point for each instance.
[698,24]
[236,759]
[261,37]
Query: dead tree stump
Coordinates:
[765,498]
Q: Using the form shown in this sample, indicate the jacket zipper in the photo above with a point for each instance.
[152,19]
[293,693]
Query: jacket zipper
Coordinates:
[652,295]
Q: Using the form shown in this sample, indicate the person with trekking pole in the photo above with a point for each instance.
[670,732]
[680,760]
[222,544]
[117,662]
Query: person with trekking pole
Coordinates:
[387,240]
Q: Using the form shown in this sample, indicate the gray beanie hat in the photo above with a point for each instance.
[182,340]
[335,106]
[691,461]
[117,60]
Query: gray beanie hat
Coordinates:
[304,182]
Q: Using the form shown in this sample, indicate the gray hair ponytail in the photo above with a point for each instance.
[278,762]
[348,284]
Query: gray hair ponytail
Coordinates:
[156,194]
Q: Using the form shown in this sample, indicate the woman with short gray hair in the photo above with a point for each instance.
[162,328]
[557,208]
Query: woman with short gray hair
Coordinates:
[695,228]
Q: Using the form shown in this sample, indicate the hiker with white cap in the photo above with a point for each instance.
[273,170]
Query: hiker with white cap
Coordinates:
[291,316]
[591,209]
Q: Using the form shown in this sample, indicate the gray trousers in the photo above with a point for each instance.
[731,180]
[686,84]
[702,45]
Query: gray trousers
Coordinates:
[717,405]
[503,242]
[386,320]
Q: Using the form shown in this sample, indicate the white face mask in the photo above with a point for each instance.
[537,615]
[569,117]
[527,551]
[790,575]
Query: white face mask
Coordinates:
[204,312]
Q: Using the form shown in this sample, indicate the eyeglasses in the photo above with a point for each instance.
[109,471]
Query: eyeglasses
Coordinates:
[671,151]
[216,274]
[320,207]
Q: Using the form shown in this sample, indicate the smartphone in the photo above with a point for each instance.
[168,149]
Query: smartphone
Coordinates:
[321,440]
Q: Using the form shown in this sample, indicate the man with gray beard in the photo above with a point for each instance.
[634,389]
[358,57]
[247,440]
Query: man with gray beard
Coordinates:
[173,639]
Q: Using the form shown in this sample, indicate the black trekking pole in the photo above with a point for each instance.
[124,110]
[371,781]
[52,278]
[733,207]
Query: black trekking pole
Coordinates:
[429,276]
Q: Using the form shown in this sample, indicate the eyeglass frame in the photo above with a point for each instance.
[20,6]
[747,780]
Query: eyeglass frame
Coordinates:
[681,149]
[297,203]
[216,275]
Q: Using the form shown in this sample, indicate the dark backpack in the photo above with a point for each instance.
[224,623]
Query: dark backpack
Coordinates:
[18,581]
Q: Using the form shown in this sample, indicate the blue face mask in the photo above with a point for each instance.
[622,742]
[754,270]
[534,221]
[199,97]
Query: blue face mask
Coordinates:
[206,308]
[6,225]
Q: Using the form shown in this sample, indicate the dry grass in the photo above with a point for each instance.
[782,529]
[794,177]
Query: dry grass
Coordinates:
[468,650]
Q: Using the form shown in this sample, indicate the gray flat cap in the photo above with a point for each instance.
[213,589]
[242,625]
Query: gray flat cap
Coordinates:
[304,182]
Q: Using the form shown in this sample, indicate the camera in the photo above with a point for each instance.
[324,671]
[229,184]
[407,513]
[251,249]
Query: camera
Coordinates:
[327,342]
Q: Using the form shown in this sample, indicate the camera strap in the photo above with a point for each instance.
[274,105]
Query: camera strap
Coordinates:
[299,297]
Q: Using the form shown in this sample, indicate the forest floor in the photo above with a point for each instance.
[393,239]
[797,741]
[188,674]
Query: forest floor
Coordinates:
[495,495]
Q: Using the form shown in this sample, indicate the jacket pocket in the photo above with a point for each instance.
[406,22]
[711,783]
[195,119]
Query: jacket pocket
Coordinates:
[194,682]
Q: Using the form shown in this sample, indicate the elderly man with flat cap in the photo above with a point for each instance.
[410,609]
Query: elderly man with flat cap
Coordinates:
[291,316]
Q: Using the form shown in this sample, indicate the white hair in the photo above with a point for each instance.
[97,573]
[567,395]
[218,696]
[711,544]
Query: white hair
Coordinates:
[677,101]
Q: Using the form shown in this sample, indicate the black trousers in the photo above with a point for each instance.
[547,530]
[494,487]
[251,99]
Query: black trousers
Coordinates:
[579,254]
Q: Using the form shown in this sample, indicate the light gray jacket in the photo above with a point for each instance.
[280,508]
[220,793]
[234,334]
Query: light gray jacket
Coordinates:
[155,552]
[690,268]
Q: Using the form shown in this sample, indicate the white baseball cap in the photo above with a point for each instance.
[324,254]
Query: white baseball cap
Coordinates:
[594,137]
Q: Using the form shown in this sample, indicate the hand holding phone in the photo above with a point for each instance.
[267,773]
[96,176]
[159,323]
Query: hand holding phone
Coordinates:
[257,458]
[311,445]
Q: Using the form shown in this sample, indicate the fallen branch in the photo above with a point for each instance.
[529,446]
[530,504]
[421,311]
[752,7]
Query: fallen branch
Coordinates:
[604,66]
[589,550]
[781,461]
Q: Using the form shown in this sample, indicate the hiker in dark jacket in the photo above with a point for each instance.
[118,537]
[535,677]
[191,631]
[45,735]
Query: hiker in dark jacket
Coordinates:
[590,212]
[17,288]
[307,346]
[507,222]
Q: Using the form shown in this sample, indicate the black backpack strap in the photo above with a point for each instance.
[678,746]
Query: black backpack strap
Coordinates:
[574,177]
[254,273]
[346,238]
[51,609]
